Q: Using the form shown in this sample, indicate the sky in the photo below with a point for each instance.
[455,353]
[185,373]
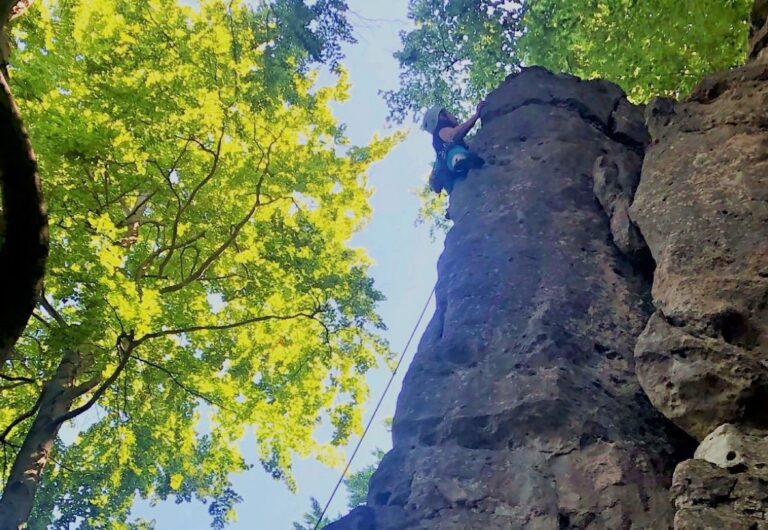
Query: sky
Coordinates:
[405,271]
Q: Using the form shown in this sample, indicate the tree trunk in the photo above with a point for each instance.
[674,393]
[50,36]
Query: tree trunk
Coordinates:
[24,238]
[26,474]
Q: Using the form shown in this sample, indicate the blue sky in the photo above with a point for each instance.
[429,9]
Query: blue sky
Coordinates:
[405,272]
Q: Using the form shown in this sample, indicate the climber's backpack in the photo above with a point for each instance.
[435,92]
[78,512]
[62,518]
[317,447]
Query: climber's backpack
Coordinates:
[441,177]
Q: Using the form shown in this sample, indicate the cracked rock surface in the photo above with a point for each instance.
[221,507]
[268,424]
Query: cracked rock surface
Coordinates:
[522,409]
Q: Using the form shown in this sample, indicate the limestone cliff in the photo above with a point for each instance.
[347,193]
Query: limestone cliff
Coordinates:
[598,358]
[521,409]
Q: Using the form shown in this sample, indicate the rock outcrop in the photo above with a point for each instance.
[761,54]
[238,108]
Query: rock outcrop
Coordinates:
[521,409]
[702,207]
[726,485]
[602,307]
[758,33]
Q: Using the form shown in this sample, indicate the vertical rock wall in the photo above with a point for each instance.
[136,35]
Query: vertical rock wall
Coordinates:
[702,206]
[521,409]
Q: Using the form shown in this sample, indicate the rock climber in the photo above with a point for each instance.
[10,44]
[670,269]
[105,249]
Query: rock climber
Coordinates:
[454,159]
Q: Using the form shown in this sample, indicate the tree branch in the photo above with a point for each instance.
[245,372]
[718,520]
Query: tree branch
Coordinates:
[17,378]
[178,383]
[11,386]
[198,272]
[219,327]
[124,345]
[183,207]
[147,262]
[52,311]
[27,415]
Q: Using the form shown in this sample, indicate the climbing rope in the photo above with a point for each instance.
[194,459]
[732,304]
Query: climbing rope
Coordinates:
[376,409]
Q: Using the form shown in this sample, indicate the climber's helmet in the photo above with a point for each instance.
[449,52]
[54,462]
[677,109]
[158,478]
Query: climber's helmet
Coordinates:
[431,119]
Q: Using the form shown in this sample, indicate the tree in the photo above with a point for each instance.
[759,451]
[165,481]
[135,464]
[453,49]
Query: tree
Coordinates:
[357,494]
[458,50]
[314,519]
[23,220]
[200,281]
[461,49]
[663,47]
[357,482]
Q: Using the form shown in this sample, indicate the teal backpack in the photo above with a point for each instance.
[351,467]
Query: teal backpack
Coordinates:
[441,177]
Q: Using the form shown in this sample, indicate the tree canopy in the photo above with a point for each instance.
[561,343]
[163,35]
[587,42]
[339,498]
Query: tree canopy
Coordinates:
[200,283]
[461,49]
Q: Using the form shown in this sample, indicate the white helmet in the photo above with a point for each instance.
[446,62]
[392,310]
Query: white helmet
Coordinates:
[431,119]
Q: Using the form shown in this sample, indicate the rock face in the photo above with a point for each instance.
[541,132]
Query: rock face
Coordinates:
[726,486]
[702,207]
[593,233]
[758,33]
[521,409]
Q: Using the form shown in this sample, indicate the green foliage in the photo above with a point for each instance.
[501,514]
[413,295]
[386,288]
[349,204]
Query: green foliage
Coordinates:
[433,211]
[202,198]
[357,493]
[357,483]
[317,29]
[461,49]
[311,518]
[457,52]
[650,48]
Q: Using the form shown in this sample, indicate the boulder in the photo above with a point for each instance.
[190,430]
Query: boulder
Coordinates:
[702,207]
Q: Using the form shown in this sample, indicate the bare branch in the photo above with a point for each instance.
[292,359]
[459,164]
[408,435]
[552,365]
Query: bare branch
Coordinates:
[11,386]
[17,378]
[183,207]
[133,214]
[52,311]
[41,320]
[198,273]
[147,262]
[85,387]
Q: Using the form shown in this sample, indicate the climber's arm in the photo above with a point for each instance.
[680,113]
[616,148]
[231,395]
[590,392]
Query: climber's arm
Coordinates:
[456,134]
